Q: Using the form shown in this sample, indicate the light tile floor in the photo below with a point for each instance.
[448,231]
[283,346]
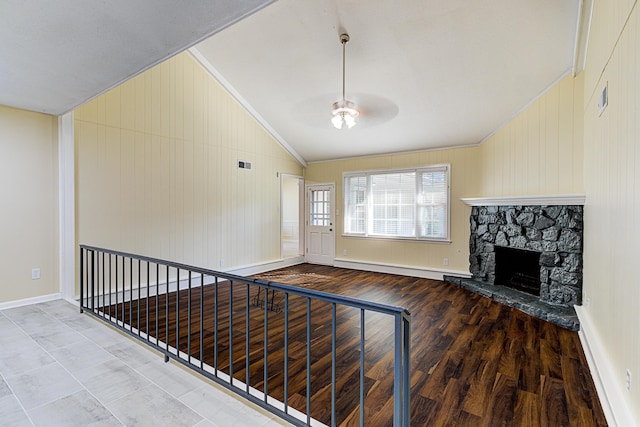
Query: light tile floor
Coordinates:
[62,368]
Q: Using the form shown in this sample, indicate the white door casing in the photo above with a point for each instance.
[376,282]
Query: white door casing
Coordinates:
[320,220]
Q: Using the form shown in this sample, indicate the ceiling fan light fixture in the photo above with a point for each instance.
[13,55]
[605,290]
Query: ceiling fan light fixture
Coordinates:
[344,111]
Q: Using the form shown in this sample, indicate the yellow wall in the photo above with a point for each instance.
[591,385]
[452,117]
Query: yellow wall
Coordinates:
[612,182]
[157,171]
[464,183]
[540,152]
[29,214]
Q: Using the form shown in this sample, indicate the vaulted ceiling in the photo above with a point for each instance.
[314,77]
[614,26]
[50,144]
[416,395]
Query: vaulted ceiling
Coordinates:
[425,74]
[56,55]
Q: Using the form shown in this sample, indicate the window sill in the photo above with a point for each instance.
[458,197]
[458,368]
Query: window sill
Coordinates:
[398,239]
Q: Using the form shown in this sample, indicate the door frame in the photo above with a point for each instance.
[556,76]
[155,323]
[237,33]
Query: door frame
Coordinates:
[301,214]
[307,212]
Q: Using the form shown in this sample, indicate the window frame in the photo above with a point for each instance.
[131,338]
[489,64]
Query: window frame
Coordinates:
[368,202]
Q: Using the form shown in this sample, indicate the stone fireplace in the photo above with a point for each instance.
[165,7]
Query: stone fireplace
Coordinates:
[555,232]
[533,248]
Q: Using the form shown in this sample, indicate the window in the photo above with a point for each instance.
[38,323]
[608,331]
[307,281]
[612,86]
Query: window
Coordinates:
[320,207]
[406,203]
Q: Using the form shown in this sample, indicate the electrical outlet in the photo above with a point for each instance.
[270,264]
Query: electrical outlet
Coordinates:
[221,263]
[445,261]
[628,380]
[35,274]
[587,302]
[344,252]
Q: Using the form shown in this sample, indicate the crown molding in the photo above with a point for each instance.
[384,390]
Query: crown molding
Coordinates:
[198,56]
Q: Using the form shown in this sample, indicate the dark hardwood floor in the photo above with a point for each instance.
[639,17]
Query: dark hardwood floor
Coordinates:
[474,362]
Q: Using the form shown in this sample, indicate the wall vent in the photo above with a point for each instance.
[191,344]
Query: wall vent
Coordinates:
[603,100]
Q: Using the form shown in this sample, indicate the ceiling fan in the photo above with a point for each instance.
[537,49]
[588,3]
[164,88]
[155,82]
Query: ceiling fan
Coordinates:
[344,111]
[369,110]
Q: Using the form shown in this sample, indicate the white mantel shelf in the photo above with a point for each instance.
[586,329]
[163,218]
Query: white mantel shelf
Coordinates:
[550,200]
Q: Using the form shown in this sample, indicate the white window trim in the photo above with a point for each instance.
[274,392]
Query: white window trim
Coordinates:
[345,175]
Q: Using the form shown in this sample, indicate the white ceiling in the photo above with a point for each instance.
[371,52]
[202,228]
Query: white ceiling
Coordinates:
[56,55]
[425,74]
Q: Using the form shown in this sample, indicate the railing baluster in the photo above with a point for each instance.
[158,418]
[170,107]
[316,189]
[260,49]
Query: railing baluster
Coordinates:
[124,284]
[130,293]
[247,376]
[82,279]
[110,283]
[189,319]
[93,275]
[397,373]
[215,327]
[178,312]
[97,290]
[265,356]
[84,290]
[286,353]
[114,284]
[406,335]
[103,294]
[157,299]
[362,367]
[333,364]
[116,307]
[201,321]
[166,314]
[308,361]
[139,287]
[146,306]
[96,282]
[231,331]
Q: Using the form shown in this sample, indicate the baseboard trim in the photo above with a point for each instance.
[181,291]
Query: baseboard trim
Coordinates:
[29,301]
[251,269]
[402,270]
[610,392]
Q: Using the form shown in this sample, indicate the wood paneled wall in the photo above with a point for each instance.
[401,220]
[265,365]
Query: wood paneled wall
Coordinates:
[541,150]
[608,21]
[612,183]
[157,171]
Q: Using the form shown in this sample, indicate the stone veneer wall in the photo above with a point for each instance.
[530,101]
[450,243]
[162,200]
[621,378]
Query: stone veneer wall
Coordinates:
[554,231]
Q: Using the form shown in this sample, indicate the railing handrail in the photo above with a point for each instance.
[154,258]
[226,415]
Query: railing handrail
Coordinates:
[303,292]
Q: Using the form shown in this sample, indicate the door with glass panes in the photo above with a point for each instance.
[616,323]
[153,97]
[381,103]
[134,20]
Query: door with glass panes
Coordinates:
[320,224]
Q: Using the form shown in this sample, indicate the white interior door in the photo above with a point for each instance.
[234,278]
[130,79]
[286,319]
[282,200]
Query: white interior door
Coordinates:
[320,224]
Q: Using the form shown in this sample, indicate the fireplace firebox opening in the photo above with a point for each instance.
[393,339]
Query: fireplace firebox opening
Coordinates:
[518,269]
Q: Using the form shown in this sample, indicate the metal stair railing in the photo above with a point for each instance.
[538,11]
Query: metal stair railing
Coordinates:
[124,289]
